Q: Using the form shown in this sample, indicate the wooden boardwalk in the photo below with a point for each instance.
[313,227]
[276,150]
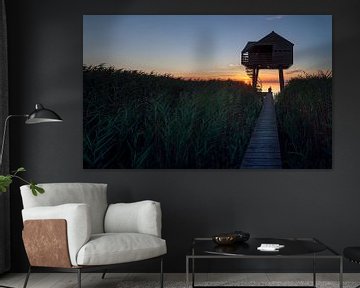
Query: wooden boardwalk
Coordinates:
[263,151]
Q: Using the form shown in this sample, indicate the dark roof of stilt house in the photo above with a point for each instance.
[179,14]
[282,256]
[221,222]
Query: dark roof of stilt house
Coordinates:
[273,38]
[249,45]
[270,39]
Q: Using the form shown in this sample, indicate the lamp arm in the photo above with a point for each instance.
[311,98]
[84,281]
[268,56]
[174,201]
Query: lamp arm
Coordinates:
[4,134]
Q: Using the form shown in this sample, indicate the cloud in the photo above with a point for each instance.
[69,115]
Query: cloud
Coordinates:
[297,71]
[234,65]
[275,17]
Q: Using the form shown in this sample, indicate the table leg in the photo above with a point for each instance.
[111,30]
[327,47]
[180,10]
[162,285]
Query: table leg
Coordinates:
[341,273]
[187,272]
[314,271]
[193,272]
[193,267]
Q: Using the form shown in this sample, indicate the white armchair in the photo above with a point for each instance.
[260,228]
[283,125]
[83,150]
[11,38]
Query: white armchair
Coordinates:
[72,228]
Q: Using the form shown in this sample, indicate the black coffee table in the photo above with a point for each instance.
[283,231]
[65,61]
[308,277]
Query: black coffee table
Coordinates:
[295,248]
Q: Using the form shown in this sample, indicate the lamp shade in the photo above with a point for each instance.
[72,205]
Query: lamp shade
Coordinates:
[42,115]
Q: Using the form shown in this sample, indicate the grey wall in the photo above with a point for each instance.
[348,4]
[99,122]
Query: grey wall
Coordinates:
[45,43]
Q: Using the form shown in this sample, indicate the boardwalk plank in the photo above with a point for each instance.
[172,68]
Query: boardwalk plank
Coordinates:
[264,156]
[263,151]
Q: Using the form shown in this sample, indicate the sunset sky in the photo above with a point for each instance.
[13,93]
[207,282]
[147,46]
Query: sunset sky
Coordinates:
[201,46]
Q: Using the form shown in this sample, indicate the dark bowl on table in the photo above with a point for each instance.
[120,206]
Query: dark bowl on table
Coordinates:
[225,239]
[231,238]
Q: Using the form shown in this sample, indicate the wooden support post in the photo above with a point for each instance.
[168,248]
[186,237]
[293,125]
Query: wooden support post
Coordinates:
[254,80]
[255,77]
[281,79]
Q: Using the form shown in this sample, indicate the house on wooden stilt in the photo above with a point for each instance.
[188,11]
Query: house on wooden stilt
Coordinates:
[271,52]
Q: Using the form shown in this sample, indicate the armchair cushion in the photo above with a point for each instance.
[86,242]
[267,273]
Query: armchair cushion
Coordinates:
[93,194]
[113,248]
[138,217]
[77,218]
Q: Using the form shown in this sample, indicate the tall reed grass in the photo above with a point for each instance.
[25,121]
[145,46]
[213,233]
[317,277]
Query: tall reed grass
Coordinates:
[304,113]
[134,119]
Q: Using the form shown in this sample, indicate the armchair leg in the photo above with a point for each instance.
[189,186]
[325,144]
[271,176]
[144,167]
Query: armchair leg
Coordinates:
[79,277]
[27,277]
[103,275]
[161,273]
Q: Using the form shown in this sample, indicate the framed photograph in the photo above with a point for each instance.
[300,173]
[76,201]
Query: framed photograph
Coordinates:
[207,91]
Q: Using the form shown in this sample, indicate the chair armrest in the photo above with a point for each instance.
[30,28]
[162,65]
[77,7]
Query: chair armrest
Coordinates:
[52,250]
[77,218]
[138,217]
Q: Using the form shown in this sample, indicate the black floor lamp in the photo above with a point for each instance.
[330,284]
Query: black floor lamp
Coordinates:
[39,115]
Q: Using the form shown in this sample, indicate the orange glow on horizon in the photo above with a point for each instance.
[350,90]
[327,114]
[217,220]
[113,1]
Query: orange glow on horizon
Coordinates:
[267,78]
[213,76]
